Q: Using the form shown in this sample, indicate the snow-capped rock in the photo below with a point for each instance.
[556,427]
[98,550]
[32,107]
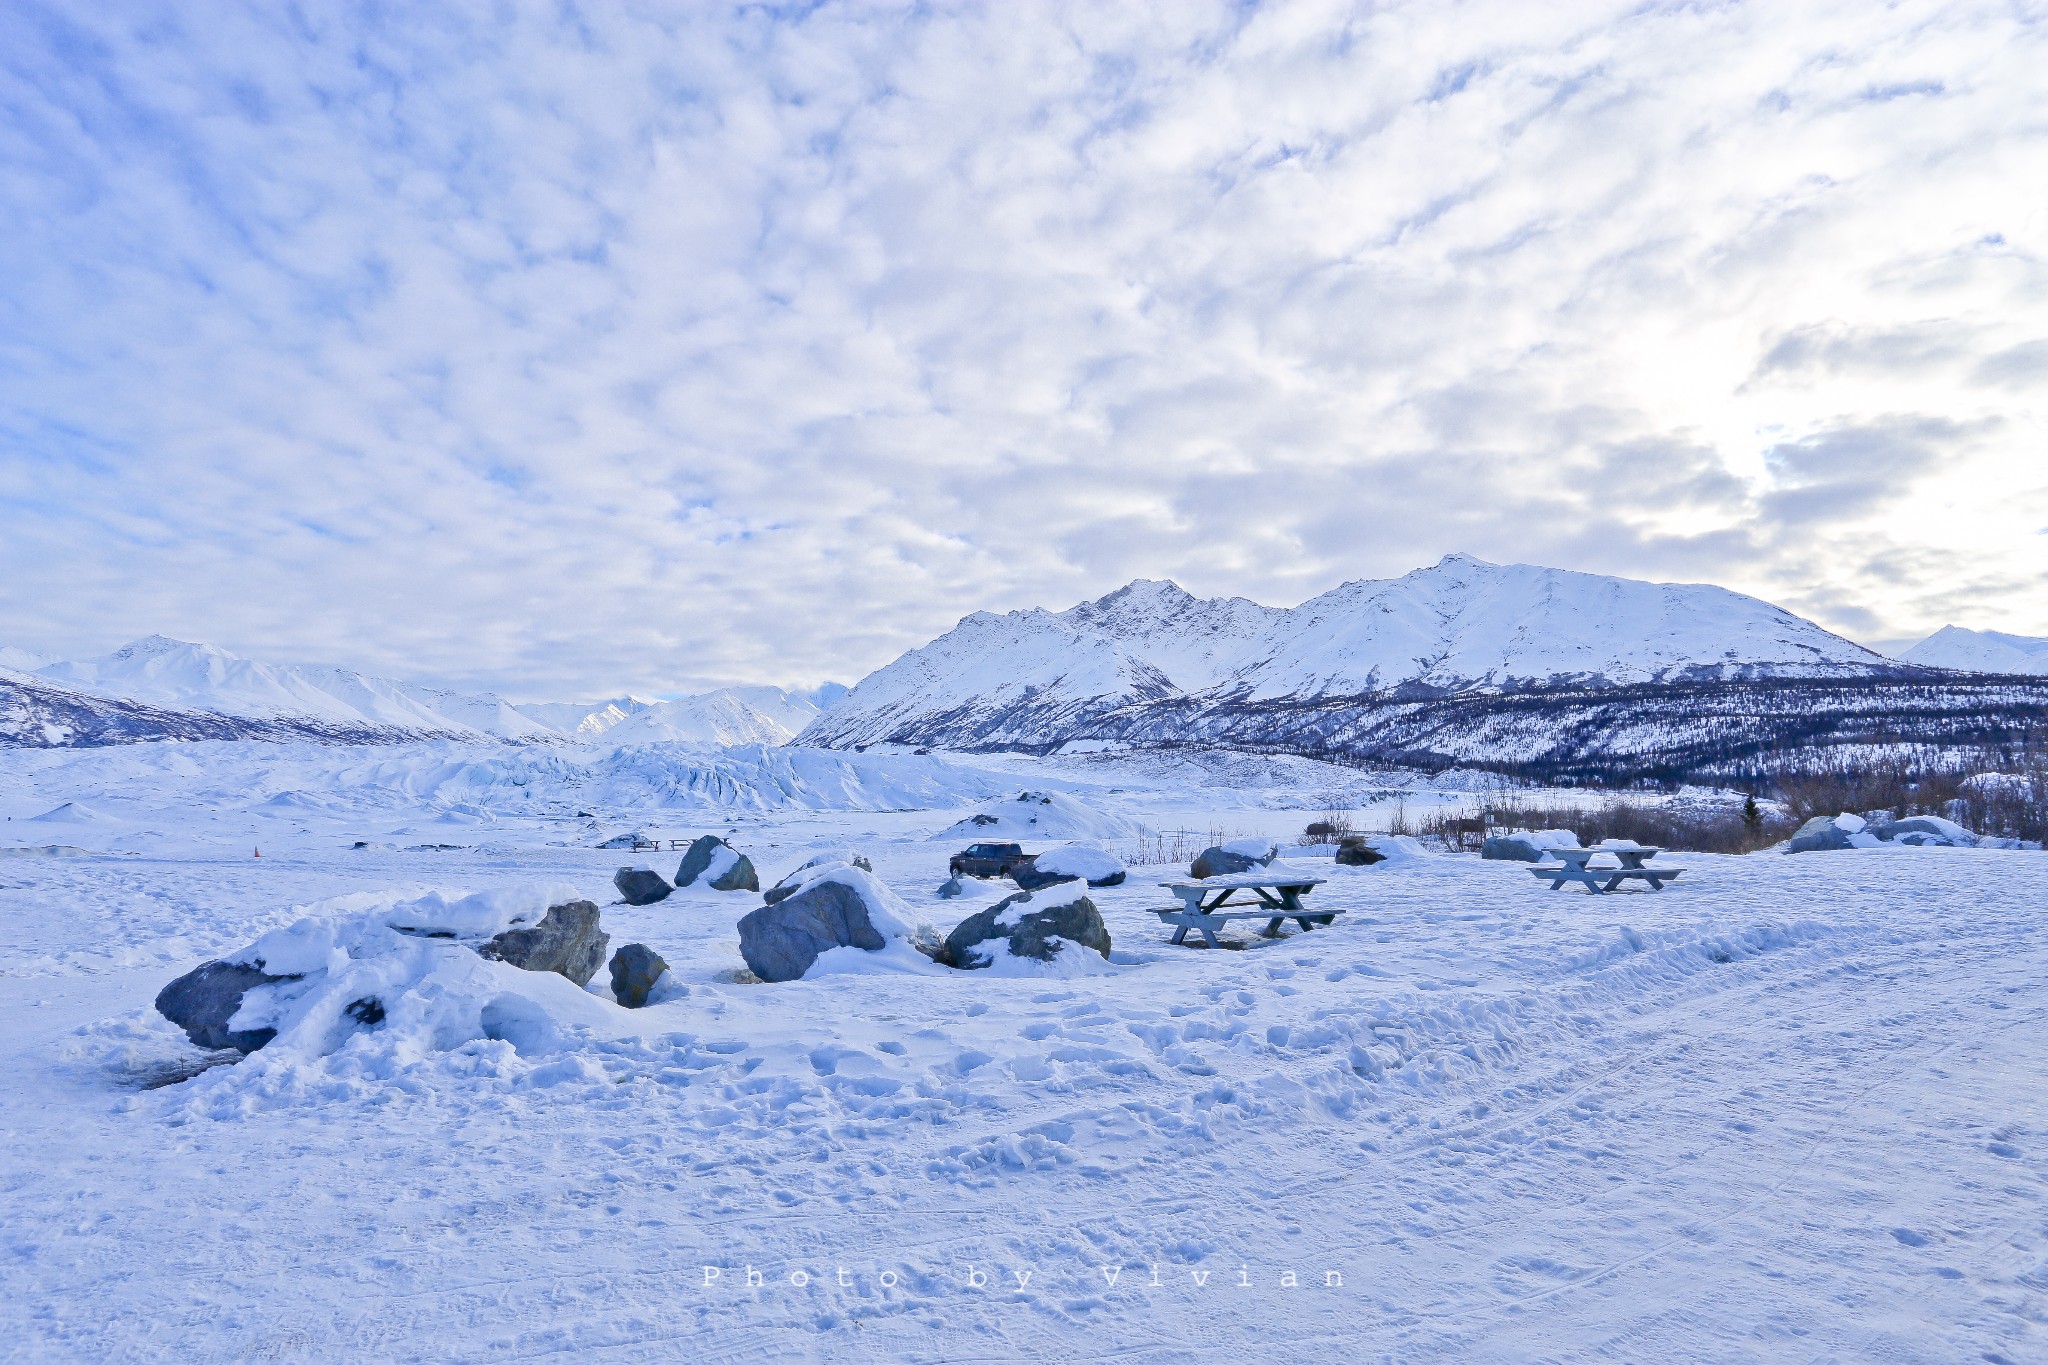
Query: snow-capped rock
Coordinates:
[1035,678]
[1980,651]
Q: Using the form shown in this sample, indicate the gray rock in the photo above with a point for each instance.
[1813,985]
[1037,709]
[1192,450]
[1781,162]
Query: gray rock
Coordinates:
[624,841]
[1933,832]
[635,969]
[1819,834]
[639,886]
[789,885]
[203,1000]
[697,860]
[567,942]
[1358,853]
[951,889]
[781,941]
[1220,862]
[1511,848]
[1033,933]
[739,877]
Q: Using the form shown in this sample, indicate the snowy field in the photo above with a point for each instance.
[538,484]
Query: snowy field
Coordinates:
[1790,1108]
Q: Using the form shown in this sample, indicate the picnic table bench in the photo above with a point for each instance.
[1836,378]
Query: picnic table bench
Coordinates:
[1574,865]
[1279,899]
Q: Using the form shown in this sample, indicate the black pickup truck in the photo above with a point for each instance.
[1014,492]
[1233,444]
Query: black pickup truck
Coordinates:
[988,860]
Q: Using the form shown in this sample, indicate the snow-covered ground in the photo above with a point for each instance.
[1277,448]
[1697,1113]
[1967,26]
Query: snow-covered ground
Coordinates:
[1788,1108]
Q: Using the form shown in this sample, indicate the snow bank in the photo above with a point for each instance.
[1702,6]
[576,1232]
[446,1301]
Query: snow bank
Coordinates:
[1040,815]
[393,982]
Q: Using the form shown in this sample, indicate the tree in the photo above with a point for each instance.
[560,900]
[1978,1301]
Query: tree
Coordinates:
[1752,816]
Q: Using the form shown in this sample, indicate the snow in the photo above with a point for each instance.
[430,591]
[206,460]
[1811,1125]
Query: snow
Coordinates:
[1037,815]
[1029,675]
[1787,1107]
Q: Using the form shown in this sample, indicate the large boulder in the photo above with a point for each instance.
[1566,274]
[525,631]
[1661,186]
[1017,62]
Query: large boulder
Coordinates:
[203,1000]
[1031,877]
[1925,830]
[1239,855]
[794,882]
[950,889]
[635,969]
[1357,852]
[781,941]
[1089,862]
[567,942]
[641,885]
[718,864]
[1031,924]
[1824,833]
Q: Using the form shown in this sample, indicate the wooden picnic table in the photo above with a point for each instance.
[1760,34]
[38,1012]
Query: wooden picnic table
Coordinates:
[1575,865]
[1279,900]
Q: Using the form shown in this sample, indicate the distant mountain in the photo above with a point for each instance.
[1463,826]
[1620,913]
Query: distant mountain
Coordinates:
[159,688]
[1980,651]
[20,660]
[179,675]
[1037,679]
[583,719]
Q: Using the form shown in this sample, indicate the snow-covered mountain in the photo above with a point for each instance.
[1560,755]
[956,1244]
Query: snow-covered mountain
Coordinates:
[584,719]
[1036,678]
[730,715]
[178,675]
[164,688]
[1980,651]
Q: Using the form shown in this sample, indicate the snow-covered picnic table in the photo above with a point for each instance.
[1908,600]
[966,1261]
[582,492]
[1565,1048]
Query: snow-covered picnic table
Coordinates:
[1575,865]
[1279,895]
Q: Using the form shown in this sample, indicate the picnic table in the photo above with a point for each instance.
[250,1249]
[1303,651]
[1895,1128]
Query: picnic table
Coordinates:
[1575,865]
[1278,895]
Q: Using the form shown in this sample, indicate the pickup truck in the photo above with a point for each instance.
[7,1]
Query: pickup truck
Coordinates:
[988,860]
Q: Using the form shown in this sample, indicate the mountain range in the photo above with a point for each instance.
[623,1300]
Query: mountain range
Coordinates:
[156,677]
[1463,661]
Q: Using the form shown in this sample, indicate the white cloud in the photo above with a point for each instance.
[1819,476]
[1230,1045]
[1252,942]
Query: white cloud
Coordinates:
[656,349]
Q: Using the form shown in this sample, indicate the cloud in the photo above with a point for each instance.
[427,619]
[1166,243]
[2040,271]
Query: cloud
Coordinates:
[563,351]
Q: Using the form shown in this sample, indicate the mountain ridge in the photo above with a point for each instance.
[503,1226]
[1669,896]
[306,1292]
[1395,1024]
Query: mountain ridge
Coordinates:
[1035,678]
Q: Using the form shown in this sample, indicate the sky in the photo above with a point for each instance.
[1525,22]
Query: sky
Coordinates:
[565,350]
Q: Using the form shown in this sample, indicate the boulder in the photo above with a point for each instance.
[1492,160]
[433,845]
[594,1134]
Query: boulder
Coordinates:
[780,941]
[1031,877]
[1826,832]
[567,942]
[635,969]
[1513,848]
[1090,862]
[1356,852]
[721,867]
[1932,829]
[203,1000]
[624,841]
[1223,862]
[1034,928]
[640,885]
[794,882]
[948,889]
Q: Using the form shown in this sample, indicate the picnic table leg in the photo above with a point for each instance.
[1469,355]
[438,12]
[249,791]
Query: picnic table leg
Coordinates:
[1180,935]
[1209,937]
[1272,929]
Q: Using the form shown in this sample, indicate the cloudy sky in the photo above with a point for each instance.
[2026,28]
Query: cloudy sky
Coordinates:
[567,349]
